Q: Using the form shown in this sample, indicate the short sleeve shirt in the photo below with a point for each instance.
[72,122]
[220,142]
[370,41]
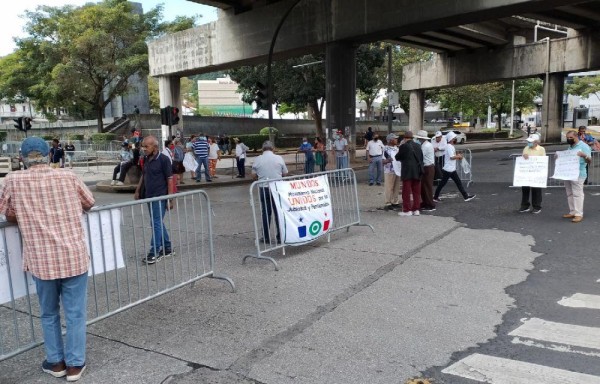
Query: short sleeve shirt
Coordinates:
[157,171]
[269,166]
[307,149]
[449,163]
[583,147]
[339,145]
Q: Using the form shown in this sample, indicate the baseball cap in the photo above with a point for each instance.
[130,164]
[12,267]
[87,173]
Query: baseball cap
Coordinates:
[422,134]
[391,136]
[450,136]
[438,134]
[34,144]
[533,137]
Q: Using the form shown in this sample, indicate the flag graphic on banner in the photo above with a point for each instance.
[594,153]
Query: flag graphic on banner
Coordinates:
[315,228]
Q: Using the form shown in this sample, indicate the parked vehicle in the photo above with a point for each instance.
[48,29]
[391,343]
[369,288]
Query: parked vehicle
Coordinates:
[461,138]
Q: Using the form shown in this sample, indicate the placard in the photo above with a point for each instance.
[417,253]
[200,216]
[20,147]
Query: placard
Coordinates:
[303,208]
[532,172]
[566,166]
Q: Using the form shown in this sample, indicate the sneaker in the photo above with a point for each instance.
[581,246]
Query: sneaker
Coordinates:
[113,182]
[388,208]
[437,200]
[119,183]
[405,213]
[74,373]
[469,197]
[56,369]
[379,184]
[522,210]
[427,209]
[152,258]
[370,184]
[536,211]
[166,253]
[416,213]
[210,181]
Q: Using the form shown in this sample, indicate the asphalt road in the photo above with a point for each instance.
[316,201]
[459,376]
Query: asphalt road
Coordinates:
[410,300]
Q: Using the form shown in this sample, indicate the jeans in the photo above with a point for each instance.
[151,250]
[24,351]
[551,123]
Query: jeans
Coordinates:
[267,208]
[241,166]
[202,161]
[341,162]
[375,169]
[575,196]
[536,197]
[160,236]
[309,165]
[73,293]
[454,176]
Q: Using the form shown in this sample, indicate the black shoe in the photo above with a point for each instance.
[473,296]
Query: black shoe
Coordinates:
[166,253]
[210,181]
[152,258]
[468,198]
[197,181]
[523,210]
[370,184]
[56,369]
[427,209]
[379,184]
[536,211]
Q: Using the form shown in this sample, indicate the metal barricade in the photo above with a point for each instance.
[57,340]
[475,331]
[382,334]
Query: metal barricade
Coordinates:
[344,201]
[119,237]
[465,177]
[593,170]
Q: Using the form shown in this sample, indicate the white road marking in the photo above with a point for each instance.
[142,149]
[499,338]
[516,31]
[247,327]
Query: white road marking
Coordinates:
[497,370]
[568,334]
[581,300]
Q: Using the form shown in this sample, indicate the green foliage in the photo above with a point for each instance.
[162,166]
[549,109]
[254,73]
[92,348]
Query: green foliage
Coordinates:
[103,137]
[75,136]
[265,131]
[369,60]
[284,108]
[254,142]
[3,136]
[49,137]
[585,86]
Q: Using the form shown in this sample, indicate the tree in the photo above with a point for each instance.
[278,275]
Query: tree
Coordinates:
[83,56]
[369,58]
[585,86]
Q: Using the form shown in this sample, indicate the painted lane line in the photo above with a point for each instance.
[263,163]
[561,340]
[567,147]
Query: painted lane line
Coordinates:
[497,370]
[581,300]
[568,334]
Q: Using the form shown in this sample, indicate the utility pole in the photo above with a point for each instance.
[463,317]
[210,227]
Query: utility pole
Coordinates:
[389,51]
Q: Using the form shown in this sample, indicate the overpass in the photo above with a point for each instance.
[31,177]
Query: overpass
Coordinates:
[453,28]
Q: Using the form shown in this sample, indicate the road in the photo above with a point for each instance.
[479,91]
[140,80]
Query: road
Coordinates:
[472,293]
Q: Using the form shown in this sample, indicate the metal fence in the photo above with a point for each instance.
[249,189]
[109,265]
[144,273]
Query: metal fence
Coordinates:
[343,194]
[593,170]
[465,174]
[119,237]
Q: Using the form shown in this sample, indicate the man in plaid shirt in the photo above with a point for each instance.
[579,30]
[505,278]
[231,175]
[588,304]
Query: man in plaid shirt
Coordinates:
[55,255]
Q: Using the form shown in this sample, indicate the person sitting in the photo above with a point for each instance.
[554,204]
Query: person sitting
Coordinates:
[126,162]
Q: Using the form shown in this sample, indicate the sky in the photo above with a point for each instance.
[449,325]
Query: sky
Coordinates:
[12,25]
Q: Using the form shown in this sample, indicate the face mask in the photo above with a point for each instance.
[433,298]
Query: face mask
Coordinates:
[571,141]
[530,145]
[304,141]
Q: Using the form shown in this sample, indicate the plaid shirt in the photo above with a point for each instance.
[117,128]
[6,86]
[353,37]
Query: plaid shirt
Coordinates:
[48,204]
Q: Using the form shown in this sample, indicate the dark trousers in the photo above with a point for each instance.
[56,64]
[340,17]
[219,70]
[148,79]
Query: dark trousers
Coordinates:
[267,208]
[241,166]
[411,188]
[439,164]
[450,175]
[427,187]
[536,197]
[121,169]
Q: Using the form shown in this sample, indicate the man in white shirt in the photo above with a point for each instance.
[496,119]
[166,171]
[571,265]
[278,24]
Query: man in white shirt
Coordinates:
[375,157]
[268,166]
[340,149]
[439,149]
[391,180]
[427,204]
[449,170]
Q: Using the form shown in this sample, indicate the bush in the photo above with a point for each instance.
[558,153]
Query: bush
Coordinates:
[3,136]
[75,137]
[49,137]
[103,137]
[265,131]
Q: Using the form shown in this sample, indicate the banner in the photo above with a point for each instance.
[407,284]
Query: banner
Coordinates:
[566,166]
[303,208]
[532,172]
[105,254]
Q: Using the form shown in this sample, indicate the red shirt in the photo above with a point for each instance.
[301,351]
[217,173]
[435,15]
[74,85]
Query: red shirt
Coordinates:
[48,204]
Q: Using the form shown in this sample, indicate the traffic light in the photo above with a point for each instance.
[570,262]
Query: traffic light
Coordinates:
[19,124]
[165,115]
[27,123]
[260,97]
[174,116]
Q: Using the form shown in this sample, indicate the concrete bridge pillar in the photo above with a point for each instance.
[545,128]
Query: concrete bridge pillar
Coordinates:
[417,108]
[552,107]
[168,93]
[341,90]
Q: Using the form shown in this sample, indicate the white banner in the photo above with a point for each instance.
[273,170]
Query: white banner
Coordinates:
[532,172]
[105,254]
[303,208]
[566,166]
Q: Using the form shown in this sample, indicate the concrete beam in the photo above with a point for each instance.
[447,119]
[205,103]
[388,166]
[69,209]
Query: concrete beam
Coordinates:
[572,54]
[245,38]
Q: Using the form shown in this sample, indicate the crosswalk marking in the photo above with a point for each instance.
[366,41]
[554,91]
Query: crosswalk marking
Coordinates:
[568,334]
[497,370]
[581,300]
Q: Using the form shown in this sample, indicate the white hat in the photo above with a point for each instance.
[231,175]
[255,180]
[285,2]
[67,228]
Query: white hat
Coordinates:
[438,134]
[533,137]
[450,136]
[422,134]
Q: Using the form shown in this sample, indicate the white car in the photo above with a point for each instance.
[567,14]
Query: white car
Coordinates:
[461,138]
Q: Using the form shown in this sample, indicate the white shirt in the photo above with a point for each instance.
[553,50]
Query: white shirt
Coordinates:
[375,148]
[391,151]
[340,146]
[428,156]
[269,166]
[449,164]
[213,151]
[240,150]
[439,148]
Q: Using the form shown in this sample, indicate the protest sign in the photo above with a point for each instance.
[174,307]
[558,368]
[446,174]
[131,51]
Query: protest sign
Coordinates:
[532,172]
[303,208]
[566,166]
